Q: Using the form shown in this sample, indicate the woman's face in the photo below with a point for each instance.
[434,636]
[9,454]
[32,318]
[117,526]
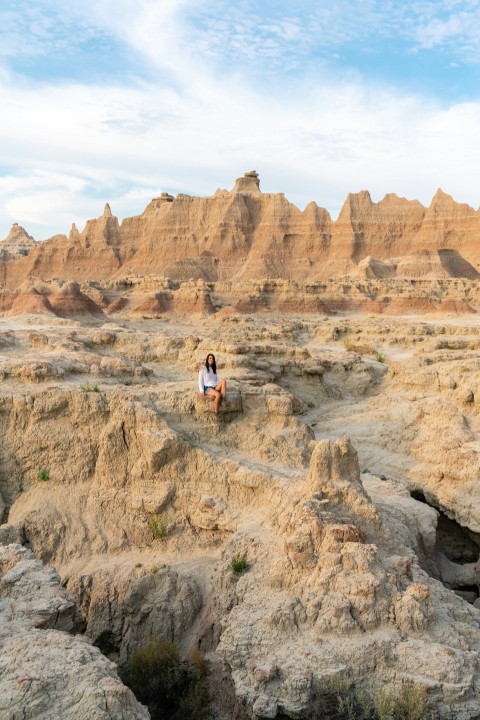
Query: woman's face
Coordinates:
[210,359]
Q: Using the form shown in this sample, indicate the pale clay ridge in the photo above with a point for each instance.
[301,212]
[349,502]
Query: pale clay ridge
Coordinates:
[156,297]
[245,234]
[46,672]
[345,568]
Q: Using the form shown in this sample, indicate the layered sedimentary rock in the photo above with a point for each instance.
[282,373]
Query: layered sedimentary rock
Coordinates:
[244,234]
[117,472]
[155,297]
[320,574]
[17,242]
[114,471]
[45,671]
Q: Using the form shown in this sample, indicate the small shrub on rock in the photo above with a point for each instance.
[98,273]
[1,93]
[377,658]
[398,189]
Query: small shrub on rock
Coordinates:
[407,703]
[338,700]
[158,526]
[43,475]
[197,660]
[88,387]
[169,687]
[239,564]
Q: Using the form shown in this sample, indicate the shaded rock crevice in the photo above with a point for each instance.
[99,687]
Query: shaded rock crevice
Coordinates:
[457,555]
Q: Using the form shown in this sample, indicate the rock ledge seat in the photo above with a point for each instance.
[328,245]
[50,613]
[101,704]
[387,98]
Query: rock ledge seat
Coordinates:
[230,407]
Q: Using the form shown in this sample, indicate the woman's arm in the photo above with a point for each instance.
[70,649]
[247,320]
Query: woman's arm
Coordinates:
[201,383]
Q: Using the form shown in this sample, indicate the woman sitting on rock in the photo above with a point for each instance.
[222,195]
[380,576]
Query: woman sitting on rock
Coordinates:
[209,384]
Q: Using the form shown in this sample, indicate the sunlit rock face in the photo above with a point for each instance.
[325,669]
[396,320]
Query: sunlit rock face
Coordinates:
[46,671]
[321,530]
[339,475]
[17,242]
[247,234]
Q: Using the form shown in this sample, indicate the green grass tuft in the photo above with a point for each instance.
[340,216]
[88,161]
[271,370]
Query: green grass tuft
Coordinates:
[88,387]
[407,703]
[339,700]
[239,564]
[158,526]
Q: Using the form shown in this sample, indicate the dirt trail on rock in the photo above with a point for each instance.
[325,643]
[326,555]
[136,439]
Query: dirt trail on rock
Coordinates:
[116,473]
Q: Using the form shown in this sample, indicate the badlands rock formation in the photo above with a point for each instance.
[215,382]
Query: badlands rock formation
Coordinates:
[45,672]
[156,297]
[342,471]
[244,234]
[363,553]
[17,242]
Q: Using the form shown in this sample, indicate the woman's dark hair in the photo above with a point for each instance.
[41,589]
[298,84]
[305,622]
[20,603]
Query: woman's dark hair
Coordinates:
[213,365]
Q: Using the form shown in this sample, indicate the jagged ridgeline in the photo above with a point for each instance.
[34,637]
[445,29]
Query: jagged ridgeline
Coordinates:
[308,552]
[245,234]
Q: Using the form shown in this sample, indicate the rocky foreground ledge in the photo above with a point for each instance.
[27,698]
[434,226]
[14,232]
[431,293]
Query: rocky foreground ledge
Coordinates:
[114,472]
[333,596]
[45,671]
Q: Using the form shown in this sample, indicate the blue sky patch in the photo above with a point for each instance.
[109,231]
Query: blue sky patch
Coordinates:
[121,99]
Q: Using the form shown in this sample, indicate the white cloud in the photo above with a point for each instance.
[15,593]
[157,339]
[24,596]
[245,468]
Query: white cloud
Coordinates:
[198,126]
[273,29]
[32,29]
[459,33]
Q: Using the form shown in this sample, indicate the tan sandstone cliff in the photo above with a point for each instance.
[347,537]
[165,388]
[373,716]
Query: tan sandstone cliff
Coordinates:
[246,234]
[350,580]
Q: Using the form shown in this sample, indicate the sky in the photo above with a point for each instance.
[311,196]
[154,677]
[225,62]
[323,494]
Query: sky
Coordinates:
[118,100]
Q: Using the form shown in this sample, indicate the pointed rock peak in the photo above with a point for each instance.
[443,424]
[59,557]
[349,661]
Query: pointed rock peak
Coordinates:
[442,201]
[313,209]
[361,198]
[74,234]
[392,199]
[441,196]
[18,234]
[249,183]
[106,211]
[354,202]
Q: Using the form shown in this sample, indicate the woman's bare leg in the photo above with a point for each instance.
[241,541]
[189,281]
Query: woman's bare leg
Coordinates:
[218,397]
[222,387]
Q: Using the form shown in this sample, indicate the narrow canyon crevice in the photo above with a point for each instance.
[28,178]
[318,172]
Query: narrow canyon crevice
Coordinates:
[457,554]
[145,502]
